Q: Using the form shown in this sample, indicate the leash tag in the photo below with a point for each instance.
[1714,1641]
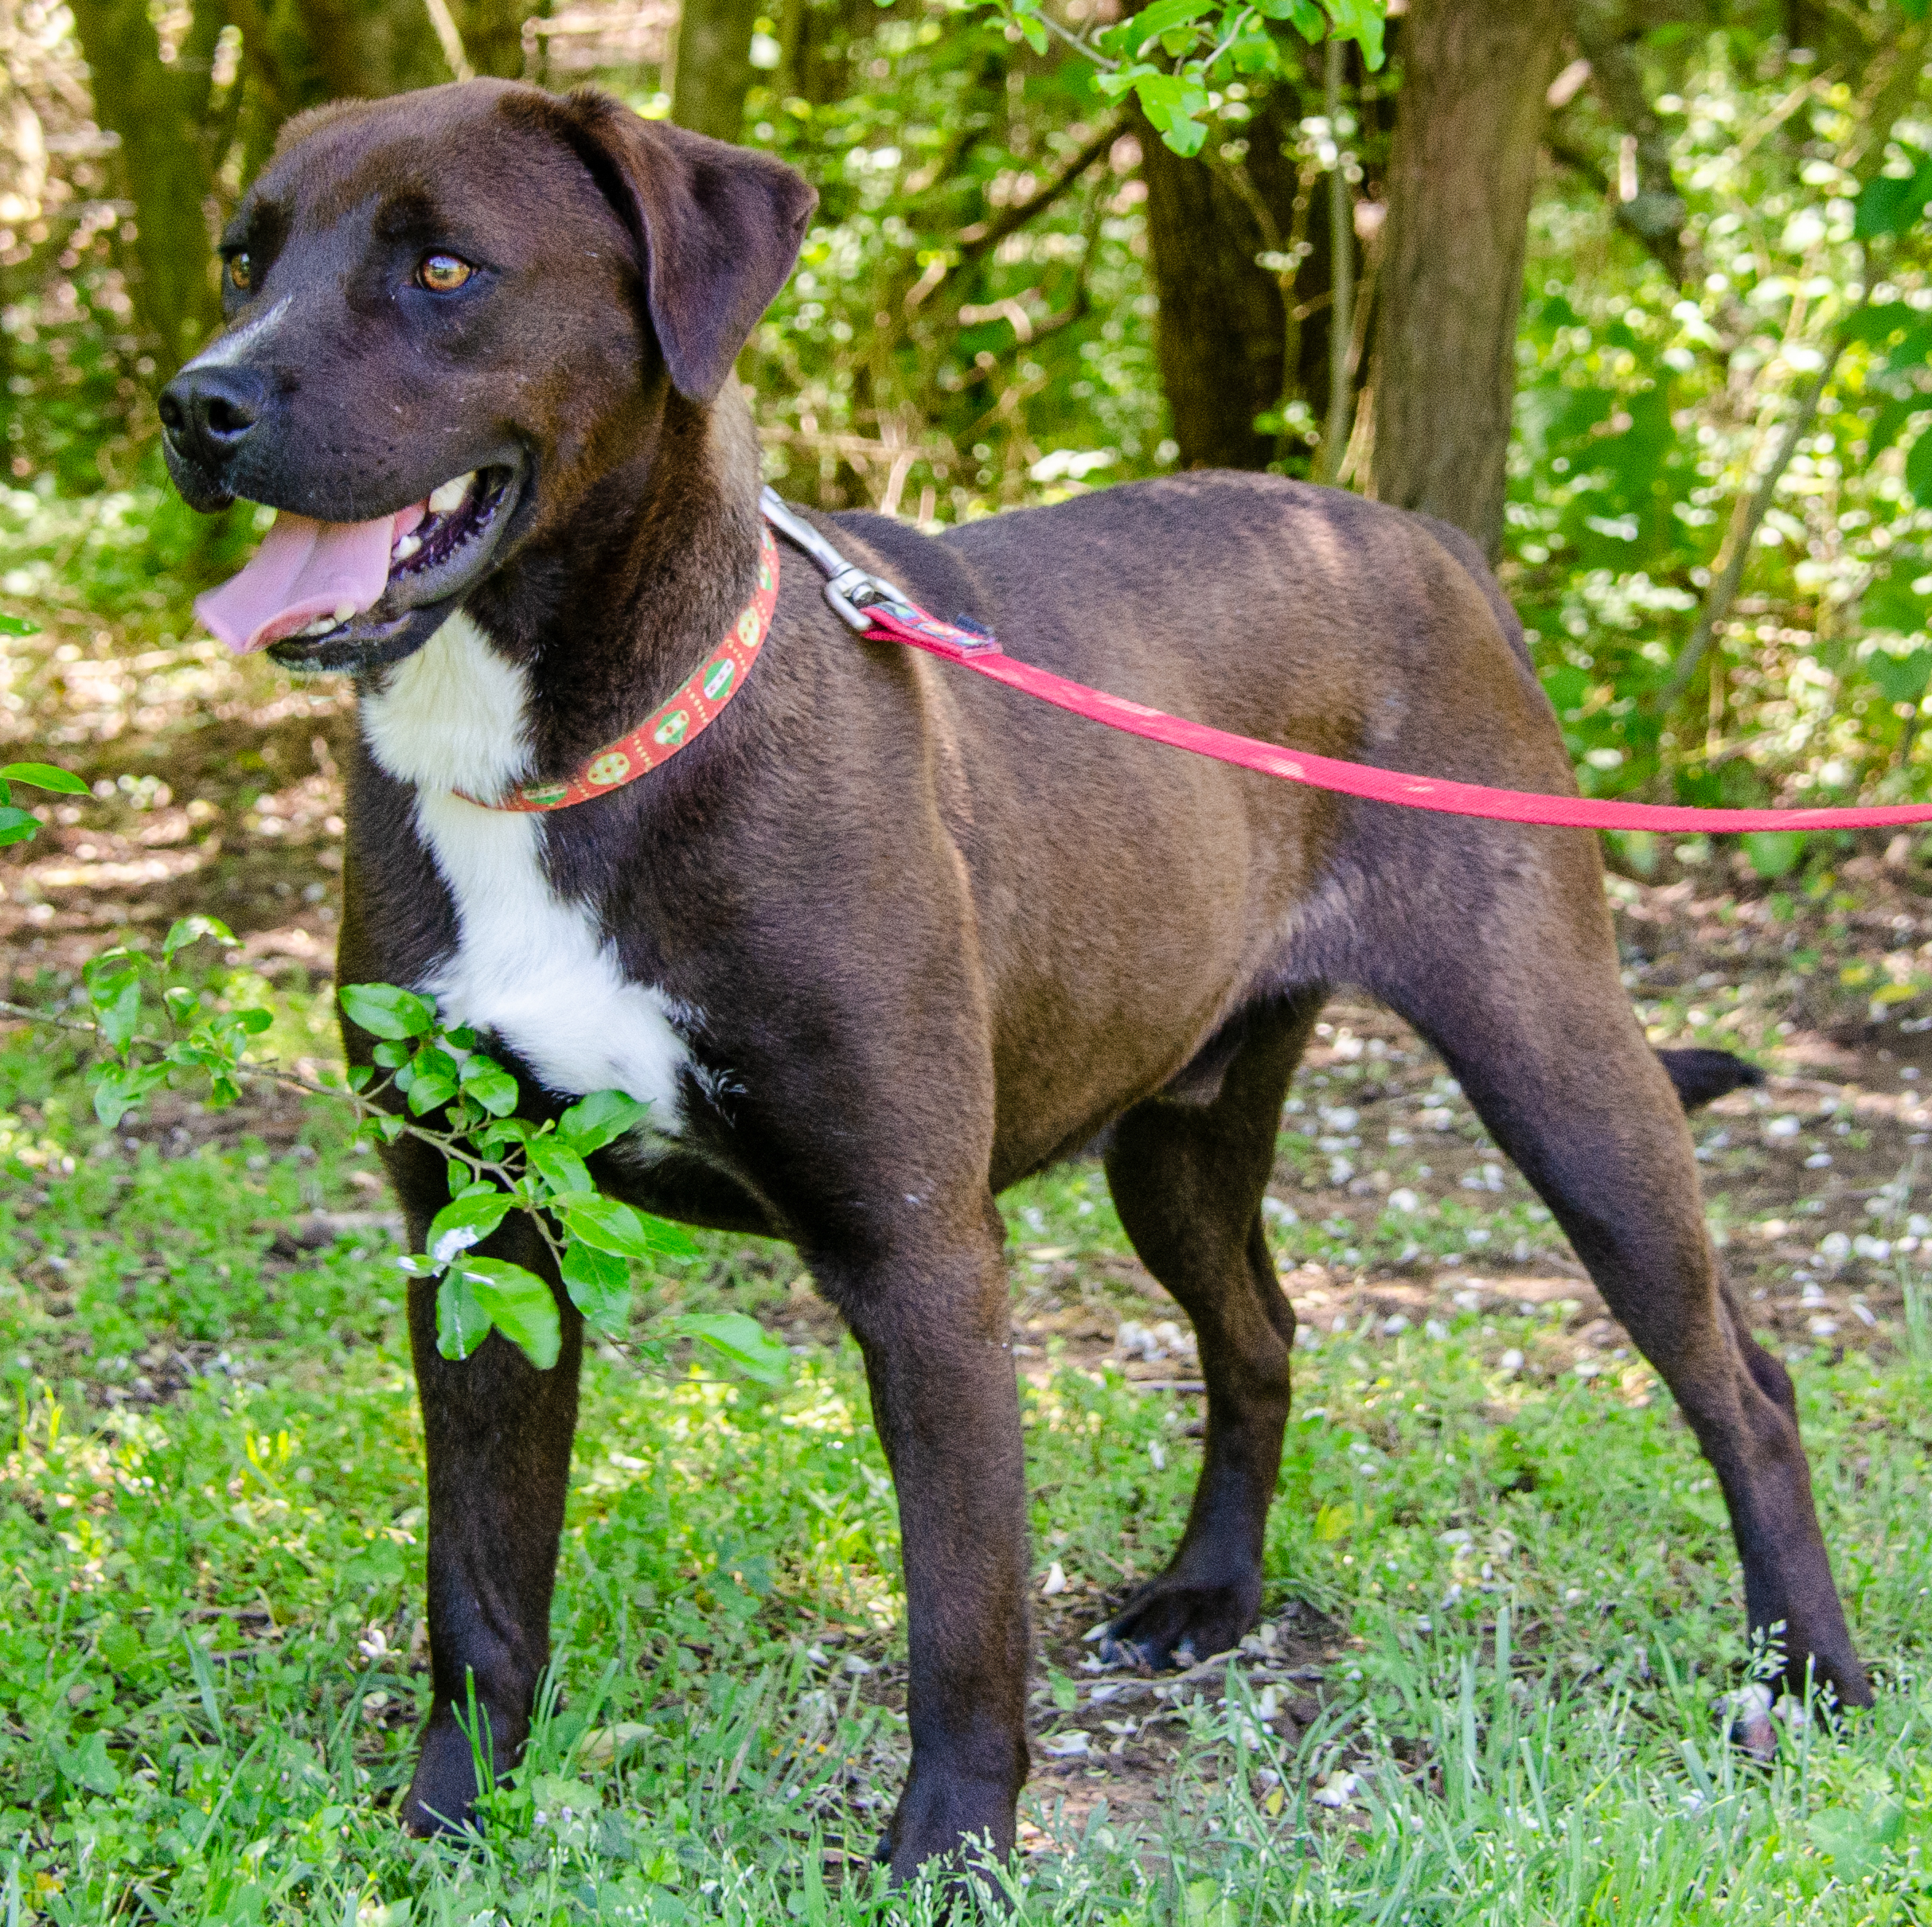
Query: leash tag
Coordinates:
[910,623]
[869,605]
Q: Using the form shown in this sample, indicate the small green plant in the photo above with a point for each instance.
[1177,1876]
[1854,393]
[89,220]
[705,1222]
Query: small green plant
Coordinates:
[18,825]
[435,1084]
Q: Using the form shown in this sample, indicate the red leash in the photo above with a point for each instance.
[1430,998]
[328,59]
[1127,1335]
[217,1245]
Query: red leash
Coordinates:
[876,610]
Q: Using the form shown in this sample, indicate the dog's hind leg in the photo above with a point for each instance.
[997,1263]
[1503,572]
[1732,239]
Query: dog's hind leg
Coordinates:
[1188,1179]
[1541,1035]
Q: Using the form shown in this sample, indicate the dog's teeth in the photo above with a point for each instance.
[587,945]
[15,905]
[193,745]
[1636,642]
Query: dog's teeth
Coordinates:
[405,549]
[344,611]
[451,495]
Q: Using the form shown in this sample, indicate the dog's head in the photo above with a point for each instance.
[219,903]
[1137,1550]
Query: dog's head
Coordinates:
[448,314]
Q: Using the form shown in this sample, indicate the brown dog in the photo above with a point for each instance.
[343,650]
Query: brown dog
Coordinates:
[888,938]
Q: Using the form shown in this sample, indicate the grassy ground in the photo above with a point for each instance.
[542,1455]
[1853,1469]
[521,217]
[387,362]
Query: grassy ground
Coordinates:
[1503,1612]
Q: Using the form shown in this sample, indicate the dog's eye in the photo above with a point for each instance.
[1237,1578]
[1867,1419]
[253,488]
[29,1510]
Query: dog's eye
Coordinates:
[442,274]
[240,272]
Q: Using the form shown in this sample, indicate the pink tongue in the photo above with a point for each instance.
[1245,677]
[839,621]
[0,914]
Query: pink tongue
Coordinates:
[302,570]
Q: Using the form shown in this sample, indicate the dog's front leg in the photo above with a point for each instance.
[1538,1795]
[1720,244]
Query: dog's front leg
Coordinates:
[933,1324]
[498,1434]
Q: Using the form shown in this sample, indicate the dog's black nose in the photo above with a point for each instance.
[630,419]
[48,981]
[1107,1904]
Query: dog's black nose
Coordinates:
[207,413]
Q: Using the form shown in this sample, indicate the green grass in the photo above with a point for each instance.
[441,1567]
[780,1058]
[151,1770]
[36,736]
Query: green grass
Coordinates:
[207,1701]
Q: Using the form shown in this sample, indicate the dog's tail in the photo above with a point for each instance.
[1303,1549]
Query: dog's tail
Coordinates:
[1702,1076]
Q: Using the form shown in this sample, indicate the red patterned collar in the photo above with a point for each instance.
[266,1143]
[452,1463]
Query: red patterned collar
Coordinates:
[674,723]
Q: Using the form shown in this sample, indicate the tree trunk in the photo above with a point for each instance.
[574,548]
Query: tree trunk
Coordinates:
[714,66]
[156,112]
[1222,333]
[492,35]
[369,48]
[818,37]
[1468,122]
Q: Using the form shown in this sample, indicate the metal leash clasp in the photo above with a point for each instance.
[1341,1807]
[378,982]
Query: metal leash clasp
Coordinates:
[853,591]
[849,589]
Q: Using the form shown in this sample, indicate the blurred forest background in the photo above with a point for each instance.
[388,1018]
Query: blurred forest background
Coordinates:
[1635,290]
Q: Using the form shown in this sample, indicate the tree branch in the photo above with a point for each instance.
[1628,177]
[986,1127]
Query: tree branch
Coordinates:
[1746,522]
[1342,271]
[1662,244]
[1655,212]
[984,235]
[449,1143]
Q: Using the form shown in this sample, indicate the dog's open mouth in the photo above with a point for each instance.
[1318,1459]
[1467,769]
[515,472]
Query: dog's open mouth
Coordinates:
[339,596]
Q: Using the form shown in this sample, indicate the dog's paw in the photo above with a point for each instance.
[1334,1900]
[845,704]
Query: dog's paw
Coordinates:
[1752,1729]
[952,1823]
[441,1796]
[1169,1627]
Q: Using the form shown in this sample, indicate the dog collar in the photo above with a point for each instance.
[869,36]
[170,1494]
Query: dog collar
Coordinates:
[673,724]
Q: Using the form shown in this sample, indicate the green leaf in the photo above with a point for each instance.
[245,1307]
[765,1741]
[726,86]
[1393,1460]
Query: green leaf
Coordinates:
[1303,16]
[742,1343]
[1888,204]
[427,1094]
[1919,469]
[558,1165]
[1902,678]
[1772,853]
[88,1764]
[1171,101]
[120,1645]
[112,1099]
[520,1304]
[1857,1843]
[589,1125]
[44,776]
[465,1222]
[1360,20]
[606,1224]
[1334,1522]
[1164,15]
[490,1085]
[462,1324]
[383,1011]
[609,1225]
[118,1016]
[17,626]
[104,975]
[185,930]
[599,1287]
[205,1684]
[16,825]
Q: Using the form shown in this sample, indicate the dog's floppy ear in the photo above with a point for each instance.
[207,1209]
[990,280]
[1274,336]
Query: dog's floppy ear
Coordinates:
[717,228]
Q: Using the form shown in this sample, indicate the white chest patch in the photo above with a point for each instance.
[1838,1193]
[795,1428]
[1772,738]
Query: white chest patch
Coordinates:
[529,965]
